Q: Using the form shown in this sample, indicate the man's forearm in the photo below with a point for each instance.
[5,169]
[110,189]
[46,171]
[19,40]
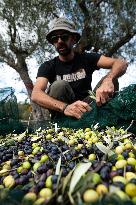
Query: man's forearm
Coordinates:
[118,69]
[44,100]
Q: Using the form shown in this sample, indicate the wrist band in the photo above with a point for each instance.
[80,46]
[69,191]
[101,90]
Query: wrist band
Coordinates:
[64,108]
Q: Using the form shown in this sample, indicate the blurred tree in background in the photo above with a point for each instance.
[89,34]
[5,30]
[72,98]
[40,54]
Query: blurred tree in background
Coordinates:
[24,111]
[106,26]
[109,26]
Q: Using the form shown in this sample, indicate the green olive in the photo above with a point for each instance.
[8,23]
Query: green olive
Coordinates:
[44,158]
[119,179]
[101,189]
[29,198]
[131,161]
[90,196]
[9,181]
[48,182]
[46,193]
[92,157]
[121,164]
[26,165]
[39,201]
[36,165]
[130,189]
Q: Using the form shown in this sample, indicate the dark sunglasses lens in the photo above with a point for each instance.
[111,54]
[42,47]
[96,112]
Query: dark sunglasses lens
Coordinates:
[63,37]
[54,39]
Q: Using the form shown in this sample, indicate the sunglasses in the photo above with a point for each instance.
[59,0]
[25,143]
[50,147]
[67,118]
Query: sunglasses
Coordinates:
[64,37]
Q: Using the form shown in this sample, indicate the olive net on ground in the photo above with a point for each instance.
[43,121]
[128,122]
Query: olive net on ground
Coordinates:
[120,111]
[9,115]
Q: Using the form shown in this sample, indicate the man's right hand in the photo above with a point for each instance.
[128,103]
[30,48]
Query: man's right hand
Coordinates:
[77,109]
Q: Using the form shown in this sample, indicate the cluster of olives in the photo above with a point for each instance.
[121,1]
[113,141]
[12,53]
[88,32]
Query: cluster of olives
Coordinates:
[31,161]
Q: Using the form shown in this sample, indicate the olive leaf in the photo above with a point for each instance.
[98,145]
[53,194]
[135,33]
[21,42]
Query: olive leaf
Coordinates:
[102,148]
[71,199]
[92,94]
[65,139]
[20,137]
[96,126]
[66,180]
[122,137]
[106,150]
[39,129]
[111,153]
[57,172]
[79,171]
[79,199]
[107,139]
[35,138]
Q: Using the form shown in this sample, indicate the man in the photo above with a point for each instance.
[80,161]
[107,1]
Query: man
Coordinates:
[70,74]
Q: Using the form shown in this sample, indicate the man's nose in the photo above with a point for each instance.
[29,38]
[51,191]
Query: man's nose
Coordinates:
[59,40]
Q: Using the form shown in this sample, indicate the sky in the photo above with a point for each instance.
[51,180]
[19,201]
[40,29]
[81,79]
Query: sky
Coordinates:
[10,78]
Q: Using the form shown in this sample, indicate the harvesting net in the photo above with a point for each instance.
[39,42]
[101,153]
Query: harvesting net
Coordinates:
[9,116]
[120,111]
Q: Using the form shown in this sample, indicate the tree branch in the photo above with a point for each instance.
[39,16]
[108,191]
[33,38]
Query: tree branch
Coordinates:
[121,42]
[97,3]
[8,60]
[83,7]
[55,15]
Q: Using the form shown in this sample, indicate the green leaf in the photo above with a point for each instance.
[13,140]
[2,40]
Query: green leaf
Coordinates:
[66,180]
[57,172]
[35,138]
[20,137]
[79,198]
[79,171]
[107,139]
[121,137]
[92,94]
[71,198]
[111,153]
[102,148]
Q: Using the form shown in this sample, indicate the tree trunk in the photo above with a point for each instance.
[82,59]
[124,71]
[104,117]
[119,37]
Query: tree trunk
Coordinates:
[38,113]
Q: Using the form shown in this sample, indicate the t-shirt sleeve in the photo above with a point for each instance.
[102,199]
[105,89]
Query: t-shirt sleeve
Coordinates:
[47,70]
[92,59]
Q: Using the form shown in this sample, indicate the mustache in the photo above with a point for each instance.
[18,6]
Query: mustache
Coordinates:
[61,45]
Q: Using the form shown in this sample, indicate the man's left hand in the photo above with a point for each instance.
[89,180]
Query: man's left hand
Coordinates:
[104,92]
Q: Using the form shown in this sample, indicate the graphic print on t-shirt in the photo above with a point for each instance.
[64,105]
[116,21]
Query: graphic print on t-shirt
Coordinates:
[78,75]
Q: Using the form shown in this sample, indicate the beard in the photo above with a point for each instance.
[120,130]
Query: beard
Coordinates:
[63,49]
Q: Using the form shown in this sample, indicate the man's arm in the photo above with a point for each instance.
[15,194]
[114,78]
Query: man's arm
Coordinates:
[39,96]
[118,68]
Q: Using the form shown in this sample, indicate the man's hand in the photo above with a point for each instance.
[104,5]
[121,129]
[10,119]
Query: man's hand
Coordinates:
[104,92]
[77,109]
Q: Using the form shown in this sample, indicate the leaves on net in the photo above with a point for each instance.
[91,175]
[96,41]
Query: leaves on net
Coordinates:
[79,171]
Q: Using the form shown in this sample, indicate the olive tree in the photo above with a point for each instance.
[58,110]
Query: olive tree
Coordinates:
[109,26]
[105,25]
[25,24]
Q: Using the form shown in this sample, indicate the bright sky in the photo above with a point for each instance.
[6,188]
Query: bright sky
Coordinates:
[10,78]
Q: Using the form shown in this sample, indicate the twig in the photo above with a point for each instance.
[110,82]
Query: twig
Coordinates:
[132,122]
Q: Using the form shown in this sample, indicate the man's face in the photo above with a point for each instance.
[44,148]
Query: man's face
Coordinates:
[63,42]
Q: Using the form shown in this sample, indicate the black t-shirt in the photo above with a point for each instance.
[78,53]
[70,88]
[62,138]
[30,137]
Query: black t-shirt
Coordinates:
[78,72]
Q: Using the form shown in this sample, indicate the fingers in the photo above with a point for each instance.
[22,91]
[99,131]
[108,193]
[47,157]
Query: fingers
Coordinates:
[104,92]
[102,99]
[83,106]
[77,109]
[103,96]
